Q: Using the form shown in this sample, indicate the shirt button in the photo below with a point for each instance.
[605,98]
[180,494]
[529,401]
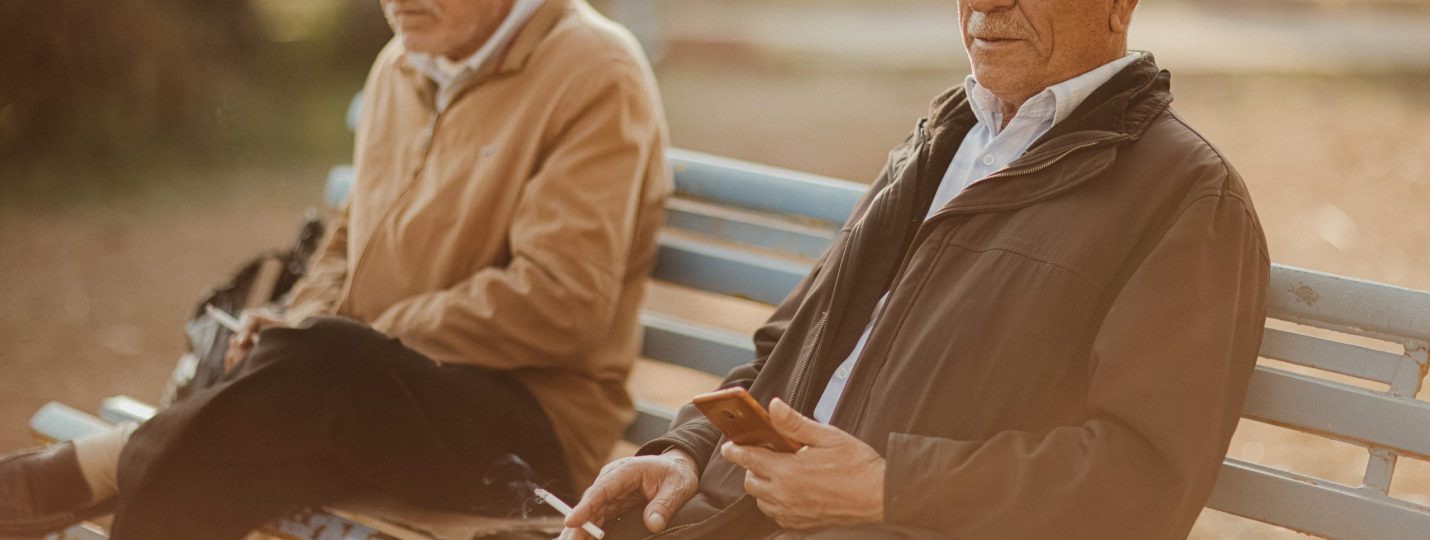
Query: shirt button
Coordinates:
[988,159]
[843,373]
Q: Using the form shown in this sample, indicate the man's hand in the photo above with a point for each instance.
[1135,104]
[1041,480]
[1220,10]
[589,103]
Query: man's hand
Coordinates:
[835,480]
[239,344]
[667,481]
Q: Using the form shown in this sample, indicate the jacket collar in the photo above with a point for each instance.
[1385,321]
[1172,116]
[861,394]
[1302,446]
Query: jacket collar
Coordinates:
[1082,146]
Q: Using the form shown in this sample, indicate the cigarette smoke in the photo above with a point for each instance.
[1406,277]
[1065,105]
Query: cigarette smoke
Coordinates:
[517,484]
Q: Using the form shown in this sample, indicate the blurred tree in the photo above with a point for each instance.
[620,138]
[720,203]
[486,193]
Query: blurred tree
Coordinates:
[360,34]
[104,80]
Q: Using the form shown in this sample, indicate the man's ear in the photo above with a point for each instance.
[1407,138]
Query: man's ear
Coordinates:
[1120,16]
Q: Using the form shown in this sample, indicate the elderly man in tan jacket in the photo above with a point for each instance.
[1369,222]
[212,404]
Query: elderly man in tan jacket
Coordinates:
[478,299]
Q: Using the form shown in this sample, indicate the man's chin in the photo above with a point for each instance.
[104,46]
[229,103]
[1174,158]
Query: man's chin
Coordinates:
[418,43]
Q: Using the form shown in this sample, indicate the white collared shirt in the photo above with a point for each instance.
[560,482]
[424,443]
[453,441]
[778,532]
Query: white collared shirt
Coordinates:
[988,147]
[446,72]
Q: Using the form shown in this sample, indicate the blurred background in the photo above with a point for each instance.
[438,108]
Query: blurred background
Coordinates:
[148,147]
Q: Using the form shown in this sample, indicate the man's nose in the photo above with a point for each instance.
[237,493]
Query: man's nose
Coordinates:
[990,5]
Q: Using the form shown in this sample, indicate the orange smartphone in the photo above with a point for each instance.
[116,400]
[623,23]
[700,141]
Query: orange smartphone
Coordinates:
[742,419]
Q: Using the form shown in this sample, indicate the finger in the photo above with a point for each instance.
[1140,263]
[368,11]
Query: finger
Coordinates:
[671,495]
[593,502]
[762,461]
[771,509]
[598,498]
[802,429]
[757,486]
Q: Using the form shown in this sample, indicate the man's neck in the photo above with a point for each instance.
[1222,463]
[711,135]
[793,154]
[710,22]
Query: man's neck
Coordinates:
[1012,102]
[480,38]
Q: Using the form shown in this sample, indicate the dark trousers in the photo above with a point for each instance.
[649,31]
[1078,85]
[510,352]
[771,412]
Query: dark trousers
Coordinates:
[323,411]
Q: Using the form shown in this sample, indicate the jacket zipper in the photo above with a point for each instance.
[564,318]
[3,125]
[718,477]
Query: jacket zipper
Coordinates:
[805,361]
[794,395]
[425,144]
[1046,164]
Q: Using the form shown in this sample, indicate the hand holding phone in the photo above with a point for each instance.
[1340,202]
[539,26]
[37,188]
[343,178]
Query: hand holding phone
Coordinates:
[742,419]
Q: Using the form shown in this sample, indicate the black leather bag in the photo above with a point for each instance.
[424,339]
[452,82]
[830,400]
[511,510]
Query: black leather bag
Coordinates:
[263,281]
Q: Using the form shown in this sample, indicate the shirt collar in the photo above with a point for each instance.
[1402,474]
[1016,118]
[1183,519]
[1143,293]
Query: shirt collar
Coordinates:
[1056,102]
[444,72]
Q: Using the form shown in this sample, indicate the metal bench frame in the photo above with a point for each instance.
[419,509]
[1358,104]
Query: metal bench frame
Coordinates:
[751,231]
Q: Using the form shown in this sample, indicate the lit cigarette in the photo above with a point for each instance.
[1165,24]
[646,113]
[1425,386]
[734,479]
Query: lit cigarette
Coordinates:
[223,318]
[556,503]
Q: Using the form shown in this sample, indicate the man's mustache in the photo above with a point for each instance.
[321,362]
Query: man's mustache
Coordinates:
[995,26]
[392,8]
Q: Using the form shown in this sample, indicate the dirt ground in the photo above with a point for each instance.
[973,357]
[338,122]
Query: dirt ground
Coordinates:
[93,295]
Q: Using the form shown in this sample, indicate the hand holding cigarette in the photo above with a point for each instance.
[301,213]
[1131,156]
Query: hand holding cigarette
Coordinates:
[245,332]
[662,483]
[565,510]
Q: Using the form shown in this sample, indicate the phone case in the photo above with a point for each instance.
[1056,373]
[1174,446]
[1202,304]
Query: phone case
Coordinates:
[742,419]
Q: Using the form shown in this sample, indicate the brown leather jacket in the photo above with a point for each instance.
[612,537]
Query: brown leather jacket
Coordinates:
[1065,348]
[515,229]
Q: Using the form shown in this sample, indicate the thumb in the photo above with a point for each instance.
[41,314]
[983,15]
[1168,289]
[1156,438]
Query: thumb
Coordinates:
[800,428]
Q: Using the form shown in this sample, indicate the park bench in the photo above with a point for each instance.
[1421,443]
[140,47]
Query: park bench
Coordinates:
[1343,359]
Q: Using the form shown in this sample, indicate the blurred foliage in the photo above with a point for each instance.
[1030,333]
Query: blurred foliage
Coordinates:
[97,85]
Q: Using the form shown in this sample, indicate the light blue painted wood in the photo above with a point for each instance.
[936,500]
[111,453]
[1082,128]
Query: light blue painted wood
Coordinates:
[1348,305]
[744,228]
[59,422]
[340,183]
[118,409]
[759,187]
[726,270]
[1339,411]
[1332,356]
[698,347]
[652,420]
[1315,506]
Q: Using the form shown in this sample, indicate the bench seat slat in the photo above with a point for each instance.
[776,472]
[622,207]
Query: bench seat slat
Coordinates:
[118,409]
[726,270]
[1314,506]
[1339,411]
[56,421]
[1332,356]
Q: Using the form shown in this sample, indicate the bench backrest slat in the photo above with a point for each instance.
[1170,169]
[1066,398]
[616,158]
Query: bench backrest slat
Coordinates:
[1339,411]
[693,345]
[1333,356]
[1314,505]
[727,270]
[1349,305]
[766,189]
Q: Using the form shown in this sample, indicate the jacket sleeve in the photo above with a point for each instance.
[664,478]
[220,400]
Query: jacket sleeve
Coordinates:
[319,290]
[571,238]
[1168,374]
[691,431]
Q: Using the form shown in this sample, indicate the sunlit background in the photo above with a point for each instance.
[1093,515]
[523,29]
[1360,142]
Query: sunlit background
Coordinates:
[147,147]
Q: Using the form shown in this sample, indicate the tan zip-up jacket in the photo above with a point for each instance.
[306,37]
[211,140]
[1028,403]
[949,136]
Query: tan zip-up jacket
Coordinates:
[1065,347]
[515,229]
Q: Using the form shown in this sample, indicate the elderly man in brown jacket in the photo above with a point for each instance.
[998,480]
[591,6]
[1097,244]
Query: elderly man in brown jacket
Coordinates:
[1039,323]
[478,299]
